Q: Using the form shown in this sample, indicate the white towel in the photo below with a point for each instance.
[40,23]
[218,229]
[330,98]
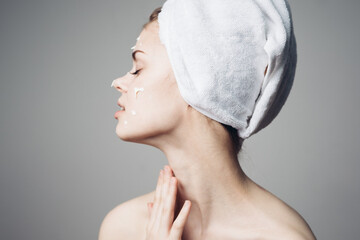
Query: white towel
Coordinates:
[219,50]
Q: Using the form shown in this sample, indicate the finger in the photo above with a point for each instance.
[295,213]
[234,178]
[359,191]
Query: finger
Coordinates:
[166,182]
[157,199]
[158,212]
[171,171]
[149,206]
[157,194]
[179,223]
[161,220]
[169,204]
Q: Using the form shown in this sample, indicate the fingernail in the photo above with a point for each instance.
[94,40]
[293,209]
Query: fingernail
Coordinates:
[187,203]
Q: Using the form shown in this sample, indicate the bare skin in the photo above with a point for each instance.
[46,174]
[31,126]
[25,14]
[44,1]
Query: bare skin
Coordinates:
[225,202]
[273,220]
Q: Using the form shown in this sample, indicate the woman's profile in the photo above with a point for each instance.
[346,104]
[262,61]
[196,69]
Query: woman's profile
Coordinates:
[173,99]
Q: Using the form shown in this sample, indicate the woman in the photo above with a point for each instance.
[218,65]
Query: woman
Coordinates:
[203,169]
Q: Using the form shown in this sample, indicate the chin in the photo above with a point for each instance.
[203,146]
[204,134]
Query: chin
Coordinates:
[139,134]
[125,134]
[129,134]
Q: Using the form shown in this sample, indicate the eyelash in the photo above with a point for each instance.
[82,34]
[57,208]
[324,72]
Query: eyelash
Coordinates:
[136,72]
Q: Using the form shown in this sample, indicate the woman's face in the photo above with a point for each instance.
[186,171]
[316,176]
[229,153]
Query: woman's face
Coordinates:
[152,101]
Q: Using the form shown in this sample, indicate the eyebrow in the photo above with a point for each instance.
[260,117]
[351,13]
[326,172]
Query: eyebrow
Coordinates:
[134,54]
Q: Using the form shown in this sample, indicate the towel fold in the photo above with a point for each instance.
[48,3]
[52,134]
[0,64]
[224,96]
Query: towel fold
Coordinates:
[219,50]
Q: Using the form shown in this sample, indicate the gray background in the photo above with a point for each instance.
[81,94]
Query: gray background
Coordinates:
[63,167]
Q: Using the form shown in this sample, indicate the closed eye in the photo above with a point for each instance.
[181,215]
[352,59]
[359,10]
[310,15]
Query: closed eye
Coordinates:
[136,72]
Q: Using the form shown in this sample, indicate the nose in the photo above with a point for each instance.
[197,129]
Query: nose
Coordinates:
[120,84]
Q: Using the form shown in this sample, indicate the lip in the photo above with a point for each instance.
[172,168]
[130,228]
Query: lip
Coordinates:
[121,105]
[116,115]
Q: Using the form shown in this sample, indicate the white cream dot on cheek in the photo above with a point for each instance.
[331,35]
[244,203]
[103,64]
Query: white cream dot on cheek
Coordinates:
[136,90]
[138,38]
[133,112]
[125,122]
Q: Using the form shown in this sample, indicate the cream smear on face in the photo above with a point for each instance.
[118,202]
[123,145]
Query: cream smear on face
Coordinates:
[136,90]
[133,112]
[137,39]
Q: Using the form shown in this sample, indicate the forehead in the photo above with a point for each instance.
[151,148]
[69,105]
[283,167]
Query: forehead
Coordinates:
[149,39]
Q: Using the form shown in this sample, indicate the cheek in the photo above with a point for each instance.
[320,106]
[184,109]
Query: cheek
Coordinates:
[160,102]
[160,107]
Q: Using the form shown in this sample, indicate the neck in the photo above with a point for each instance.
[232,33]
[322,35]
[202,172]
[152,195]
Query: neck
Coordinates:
[208,174]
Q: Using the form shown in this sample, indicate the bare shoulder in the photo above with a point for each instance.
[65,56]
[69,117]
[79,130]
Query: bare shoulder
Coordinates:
[126,220]
[295,226]
[286,222]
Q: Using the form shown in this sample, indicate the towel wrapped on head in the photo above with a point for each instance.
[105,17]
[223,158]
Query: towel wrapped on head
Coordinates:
[219,51]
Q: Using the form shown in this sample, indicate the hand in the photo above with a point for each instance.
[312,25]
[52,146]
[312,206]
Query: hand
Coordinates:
[161,211]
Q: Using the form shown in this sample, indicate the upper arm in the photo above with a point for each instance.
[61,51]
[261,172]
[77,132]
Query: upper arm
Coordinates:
[127,220]
[299,236]
[119,223]
[110,229]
